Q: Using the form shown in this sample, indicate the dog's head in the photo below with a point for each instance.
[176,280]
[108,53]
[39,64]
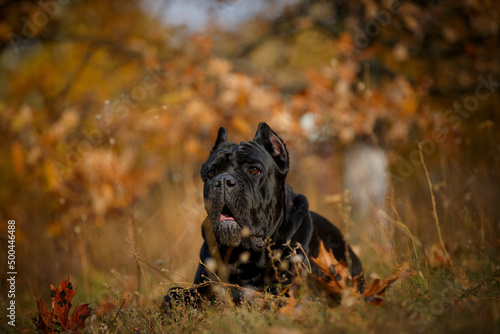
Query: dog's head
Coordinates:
[244,185]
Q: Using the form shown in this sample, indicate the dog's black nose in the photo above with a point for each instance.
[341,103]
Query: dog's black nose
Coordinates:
[226,181]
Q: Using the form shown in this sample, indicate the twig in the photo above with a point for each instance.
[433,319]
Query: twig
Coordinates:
[160,271]
[360,232]
[434,210]
[399,222]
[211,270]
[307,266]
[270,254]
[116,315]
[347,216]
[496,273]
[402,227]
[138,259]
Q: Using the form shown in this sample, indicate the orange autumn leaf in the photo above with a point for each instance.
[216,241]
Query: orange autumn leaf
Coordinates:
[377,287]
[77,319]
[56,320]
[334,273]
[336,281]
[290,308]
[61,300]
[47,321]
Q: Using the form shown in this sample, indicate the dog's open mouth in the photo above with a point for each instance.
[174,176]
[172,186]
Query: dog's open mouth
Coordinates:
[231,233]
[226,214]
[228,230]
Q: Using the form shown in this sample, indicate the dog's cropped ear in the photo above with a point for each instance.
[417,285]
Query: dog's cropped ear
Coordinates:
[221,138]
[266,137]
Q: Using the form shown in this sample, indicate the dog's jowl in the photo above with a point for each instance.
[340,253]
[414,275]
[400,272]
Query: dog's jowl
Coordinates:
[256,226]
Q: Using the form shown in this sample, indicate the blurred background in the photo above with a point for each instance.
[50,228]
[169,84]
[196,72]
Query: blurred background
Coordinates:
[108,109]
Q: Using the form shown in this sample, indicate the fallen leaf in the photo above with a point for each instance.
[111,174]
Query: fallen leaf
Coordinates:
[289,308]
[61,300]
[337,282]
[77,319]
[57,320]
[47,321]
[377,287]
[335,276]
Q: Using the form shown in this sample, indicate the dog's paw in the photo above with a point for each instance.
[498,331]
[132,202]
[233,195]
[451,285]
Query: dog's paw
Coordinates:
[178,298]
[173,299]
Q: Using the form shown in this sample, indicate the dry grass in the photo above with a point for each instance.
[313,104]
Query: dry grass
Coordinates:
[436,297]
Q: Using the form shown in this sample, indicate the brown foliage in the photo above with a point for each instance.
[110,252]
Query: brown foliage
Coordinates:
[337,282]
[57,320]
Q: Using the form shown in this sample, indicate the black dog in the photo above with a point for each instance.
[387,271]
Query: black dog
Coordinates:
[254,215]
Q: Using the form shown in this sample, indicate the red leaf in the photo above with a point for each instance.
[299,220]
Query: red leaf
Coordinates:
[56,320]
[61,300]
[77,319]
[46,321]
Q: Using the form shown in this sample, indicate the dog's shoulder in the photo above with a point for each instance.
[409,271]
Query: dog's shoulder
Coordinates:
[297,223]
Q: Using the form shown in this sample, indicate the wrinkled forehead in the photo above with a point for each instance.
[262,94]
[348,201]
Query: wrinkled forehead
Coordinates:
[251,152]
[243,152]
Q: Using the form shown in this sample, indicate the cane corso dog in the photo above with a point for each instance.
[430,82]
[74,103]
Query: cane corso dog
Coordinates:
[257,227]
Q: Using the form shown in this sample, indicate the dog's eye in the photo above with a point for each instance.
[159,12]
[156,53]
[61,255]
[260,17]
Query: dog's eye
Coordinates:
[210,174]
[254,171]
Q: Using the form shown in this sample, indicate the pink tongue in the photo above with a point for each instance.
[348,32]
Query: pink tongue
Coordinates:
[224,217]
